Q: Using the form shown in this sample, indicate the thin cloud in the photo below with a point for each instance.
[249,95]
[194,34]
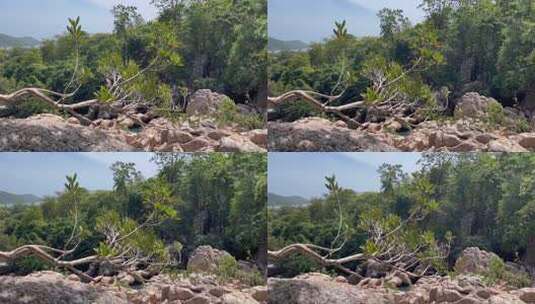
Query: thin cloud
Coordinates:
[303,173]
[147,10]
[409,7]
[44,173]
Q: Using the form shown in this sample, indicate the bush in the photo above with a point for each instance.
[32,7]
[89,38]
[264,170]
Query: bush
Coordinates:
[296,110]
[26,265]
[228,113]
[498,272]
[228,270]
[495,115]
[296,265]
[26,109]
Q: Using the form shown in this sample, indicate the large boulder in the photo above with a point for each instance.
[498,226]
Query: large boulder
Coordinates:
[320,135]
[53,288]
[238,143]
[473,105]
[206,259]
[51,133]
[204,102]
[474,260]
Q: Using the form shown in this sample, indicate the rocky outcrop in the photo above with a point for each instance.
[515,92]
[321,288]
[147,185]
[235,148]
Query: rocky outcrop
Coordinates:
[318,134]
[462,136]
[53,288]
[316,288]
[163,136]
[204,102]
[206,259]
[48,132]
[467,286]
[474,260]
[474,105]
[197,288]
[134,127]
[472,130]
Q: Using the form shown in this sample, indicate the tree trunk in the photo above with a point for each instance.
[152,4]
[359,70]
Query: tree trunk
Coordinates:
[530,252]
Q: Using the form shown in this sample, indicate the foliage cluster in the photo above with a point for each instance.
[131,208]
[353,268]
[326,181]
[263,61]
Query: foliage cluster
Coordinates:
[229,270]
[498,272]
[229,113]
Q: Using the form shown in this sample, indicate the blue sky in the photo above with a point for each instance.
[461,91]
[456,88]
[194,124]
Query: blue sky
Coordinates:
[47,18]
[303,173]
[44,173]
[313,20]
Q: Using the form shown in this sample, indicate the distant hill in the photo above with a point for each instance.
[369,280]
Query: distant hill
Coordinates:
[313,20]
[276,45]
[278,201]
[7,41]
[7,198]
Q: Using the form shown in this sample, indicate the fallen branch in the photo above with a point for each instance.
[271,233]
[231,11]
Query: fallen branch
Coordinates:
[391,252]
[381,86]
[45,254]
[310,251]
[308,96]
[45,95]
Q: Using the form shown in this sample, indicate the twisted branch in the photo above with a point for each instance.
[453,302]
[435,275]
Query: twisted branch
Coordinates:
[46,96]
[45,254]
[381,85]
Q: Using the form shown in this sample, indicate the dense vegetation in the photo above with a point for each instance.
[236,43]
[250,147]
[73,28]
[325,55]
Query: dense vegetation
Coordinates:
[464,200]
[219,45]
[211,199]
[479,46]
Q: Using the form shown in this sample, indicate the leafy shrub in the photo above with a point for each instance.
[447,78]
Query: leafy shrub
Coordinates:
[495,115]
[296,264]
[228,113]
[26,265]
[104,94]
[498,272]
[296,110]
[228,269]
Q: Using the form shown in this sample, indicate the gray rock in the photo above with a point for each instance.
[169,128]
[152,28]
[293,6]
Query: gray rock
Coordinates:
[206,259]
[320,135]
[52,288]
[313,289]
[474,260]
[50,133]
[204,102]
[473,105]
